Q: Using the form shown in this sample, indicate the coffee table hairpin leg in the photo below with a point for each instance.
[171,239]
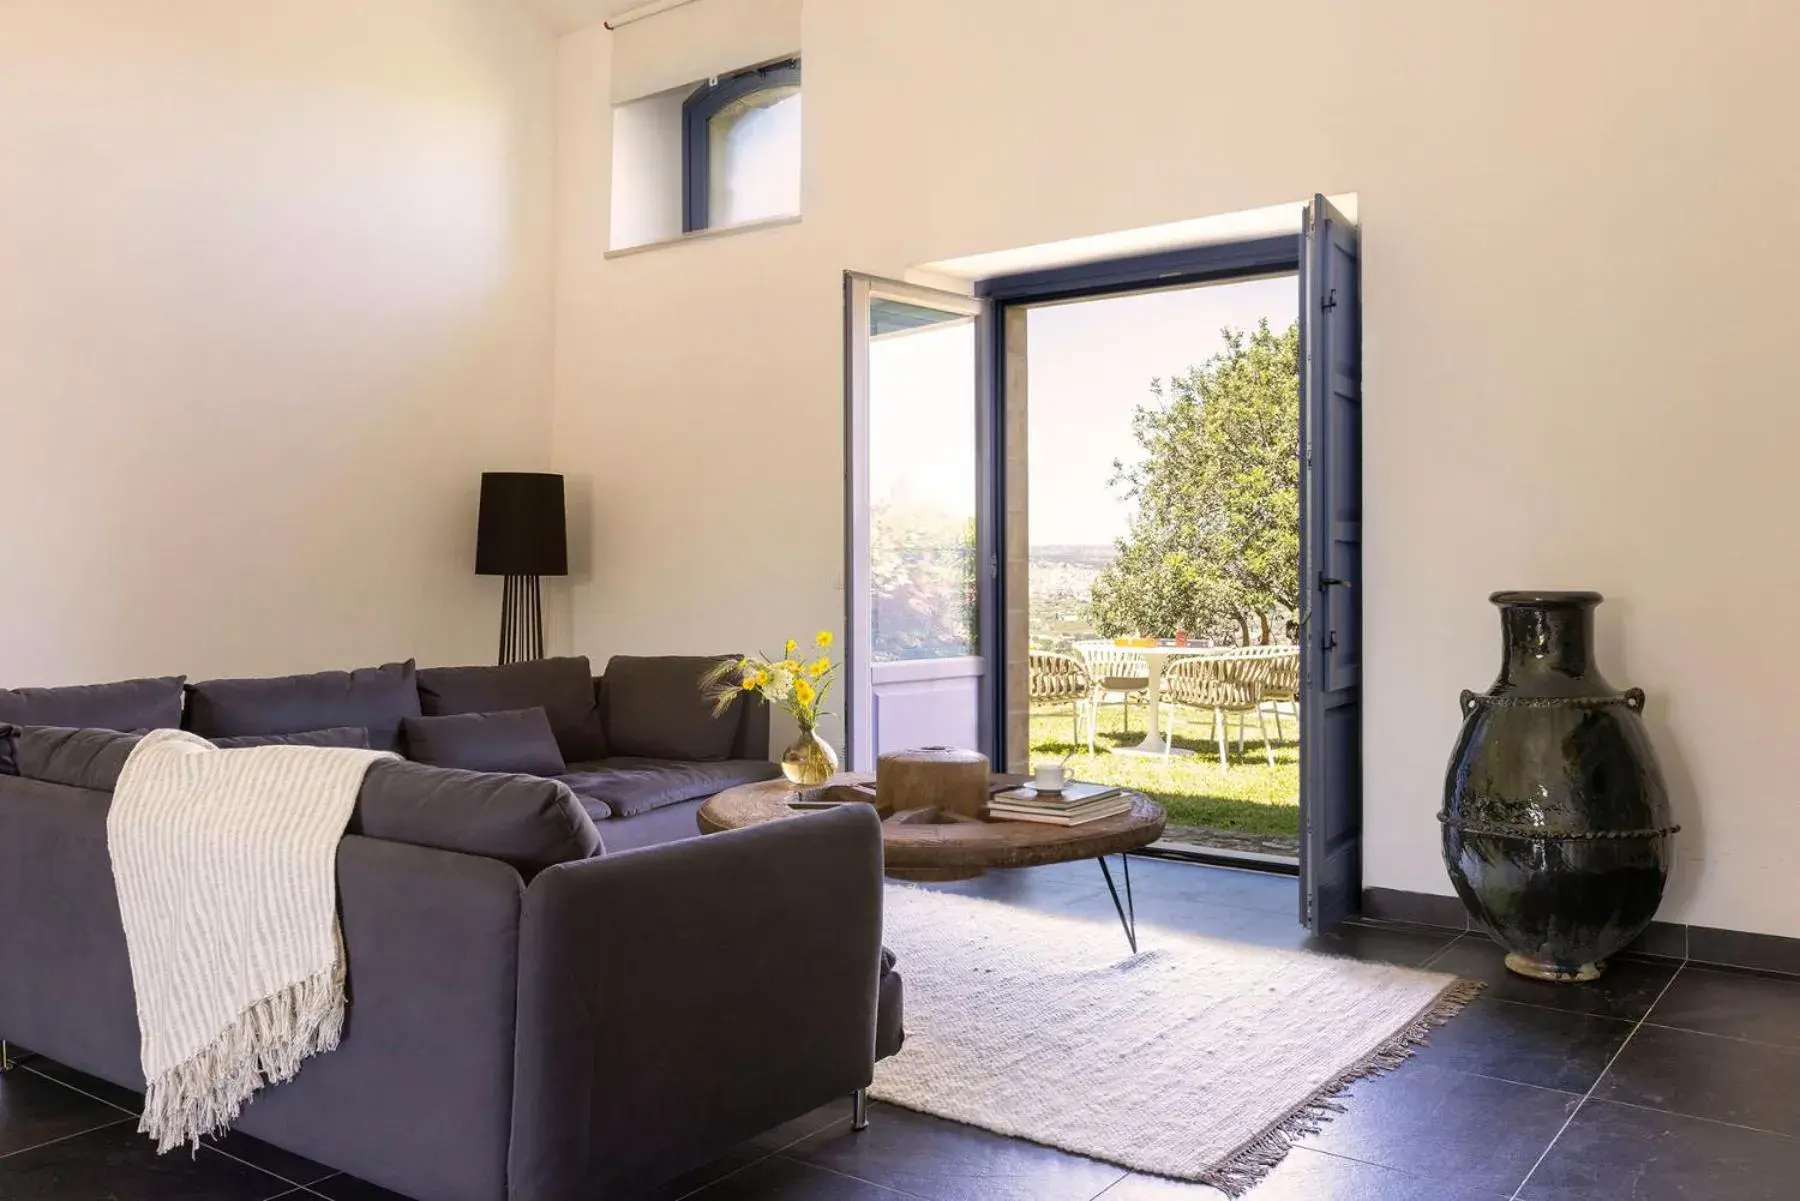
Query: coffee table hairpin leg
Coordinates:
[7,1062]
[1127,909]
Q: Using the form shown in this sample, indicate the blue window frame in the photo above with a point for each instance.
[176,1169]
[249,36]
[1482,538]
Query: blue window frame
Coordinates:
[697,113]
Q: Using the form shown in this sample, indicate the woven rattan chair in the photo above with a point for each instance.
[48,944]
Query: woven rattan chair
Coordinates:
[1276,670]
[1225,686]
[1061,680]
[1116,676]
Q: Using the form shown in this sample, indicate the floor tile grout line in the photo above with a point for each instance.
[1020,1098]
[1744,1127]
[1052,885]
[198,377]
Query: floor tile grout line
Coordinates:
[1592,1088]
[765,1157]
[1730,1038]
[1443,950]
[1694,1117]
[65,1138]
[81,1091]
[1409,1173]
[875,1184]
[1600,1017]
[289,1180]
[1124,1175]
[1430,965]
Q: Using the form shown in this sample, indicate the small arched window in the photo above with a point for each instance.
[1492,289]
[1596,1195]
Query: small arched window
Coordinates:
[741,147]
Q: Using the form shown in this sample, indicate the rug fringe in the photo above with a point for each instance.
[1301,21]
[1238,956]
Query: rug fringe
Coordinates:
[1245,1168]
[205,1093]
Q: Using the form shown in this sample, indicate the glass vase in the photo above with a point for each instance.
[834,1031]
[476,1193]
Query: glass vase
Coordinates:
[810,761]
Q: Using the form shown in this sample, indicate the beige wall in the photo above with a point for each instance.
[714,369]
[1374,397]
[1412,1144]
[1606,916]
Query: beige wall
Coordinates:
[1578,284]
[275,286]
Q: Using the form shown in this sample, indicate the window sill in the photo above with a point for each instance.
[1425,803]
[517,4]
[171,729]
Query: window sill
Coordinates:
[700,235]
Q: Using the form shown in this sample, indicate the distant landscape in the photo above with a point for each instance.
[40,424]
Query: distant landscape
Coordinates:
[1061,578]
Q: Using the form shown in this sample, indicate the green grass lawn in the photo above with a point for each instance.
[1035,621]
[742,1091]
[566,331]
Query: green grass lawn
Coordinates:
[1252,797]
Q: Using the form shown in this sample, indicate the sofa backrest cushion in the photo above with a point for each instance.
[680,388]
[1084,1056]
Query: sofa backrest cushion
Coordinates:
[562,688]
[126,705]
[76,758]
[527,822]
[515,740]
[356,737]
[655,709]
[375,698]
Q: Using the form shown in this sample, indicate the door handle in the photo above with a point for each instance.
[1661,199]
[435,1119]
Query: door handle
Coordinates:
[1326,581]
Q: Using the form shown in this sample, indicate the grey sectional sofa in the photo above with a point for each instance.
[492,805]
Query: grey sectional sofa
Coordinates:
[557,991]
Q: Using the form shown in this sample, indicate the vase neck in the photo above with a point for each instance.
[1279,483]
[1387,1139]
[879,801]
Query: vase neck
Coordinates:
[1547,641]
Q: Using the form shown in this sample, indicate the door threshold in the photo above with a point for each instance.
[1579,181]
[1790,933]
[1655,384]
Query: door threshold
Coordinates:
[1278,865]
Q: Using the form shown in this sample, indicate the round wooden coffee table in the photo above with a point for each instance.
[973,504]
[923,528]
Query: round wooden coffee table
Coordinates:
[927,845]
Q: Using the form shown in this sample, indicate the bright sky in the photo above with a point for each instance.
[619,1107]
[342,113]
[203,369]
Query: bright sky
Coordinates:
[1090,365]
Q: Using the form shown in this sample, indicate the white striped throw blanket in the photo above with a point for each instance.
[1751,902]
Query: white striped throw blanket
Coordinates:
[226,868]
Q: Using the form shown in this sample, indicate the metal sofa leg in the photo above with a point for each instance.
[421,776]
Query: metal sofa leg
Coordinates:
[859,1109]
[7,1062]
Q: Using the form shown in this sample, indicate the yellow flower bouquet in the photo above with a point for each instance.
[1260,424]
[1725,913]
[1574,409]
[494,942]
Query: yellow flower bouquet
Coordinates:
[796,686]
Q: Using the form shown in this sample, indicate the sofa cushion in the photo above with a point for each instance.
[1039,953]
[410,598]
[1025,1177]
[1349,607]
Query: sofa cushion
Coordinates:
[562,688]
[628,787]
[75,758]
[127,705]
[656,710]
[516,740]
[376,698]
[526,822]
[344,736]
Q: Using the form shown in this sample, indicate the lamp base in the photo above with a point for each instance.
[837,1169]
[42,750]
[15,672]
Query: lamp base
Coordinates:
[521,620]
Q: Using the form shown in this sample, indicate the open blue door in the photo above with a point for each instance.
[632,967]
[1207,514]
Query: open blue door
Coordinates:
[1330,570]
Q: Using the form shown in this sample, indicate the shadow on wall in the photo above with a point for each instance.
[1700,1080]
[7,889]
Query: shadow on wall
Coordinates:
[1662,720]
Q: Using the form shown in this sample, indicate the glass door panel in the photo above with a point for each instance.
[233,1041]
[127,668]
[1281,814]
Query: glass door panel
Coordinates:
[915,668]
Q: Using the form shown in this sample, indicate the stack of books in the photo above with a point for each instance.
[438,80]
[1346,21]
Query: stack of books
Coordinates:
[1075,805]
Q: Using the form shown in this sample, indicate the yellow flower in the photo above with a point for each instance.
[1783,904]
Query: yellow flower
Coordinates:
[821,665]
[790,665]
[762,679]
[803,692]
[824,640]
[791,644]
[749,684]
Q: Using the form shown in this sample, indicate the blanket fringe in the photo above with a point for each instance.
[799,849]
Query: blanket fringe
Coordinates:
[1245,1168]
[268,1042]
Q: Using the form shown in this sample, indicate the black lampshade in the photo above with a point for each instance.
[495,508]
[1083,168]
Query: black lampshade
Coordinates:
[521,529]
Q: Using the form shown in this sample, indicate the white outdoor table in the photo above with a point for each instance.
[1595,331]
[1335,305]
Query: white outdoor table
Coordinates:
[1156,657]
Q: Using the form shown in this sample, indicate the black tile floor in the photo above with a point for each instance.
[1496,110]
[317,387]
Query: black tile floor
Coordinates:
[1662,1080]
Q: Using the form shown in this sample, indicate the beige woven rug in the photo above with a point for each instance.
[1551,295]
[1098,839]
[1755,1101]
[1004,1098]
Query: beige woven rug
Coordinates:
[1197,1058]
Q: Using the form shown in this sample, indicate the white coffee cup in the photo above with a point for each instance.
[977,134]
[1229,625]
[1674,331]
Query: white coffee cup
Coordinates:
[1048,777]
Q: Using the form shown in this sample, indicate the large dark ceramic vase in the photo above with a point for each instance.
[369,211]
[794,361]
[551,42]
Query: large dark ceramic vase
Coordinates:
[1556,822]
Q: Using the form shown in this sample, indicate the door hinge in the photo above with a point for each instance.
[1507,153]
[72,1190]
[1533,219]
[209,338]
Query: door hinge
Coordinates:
[1330,301]
[993,567]
[1330,643]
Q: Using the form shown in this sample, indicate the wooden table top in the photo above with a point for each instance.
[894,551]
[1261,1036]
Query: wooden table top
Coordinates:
[924,844]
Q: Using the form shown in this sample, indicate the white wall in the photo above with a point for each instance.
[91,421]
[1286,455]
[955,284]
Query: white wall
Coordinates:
[1578,283]
[275,286]
[647,169]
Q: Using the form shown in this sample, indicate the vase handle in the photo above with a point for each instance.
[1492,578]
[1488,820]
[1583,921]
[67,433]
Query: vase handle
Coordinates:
[1634,699]
[1467,702]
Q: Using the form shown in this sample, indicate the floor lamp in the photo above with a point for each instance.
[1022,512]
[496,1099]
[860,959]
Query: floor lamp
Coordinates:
[521,534]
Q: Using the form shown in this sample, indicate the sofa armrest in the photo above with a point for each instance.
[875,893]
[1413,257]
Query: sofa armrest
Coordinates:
[676,1000]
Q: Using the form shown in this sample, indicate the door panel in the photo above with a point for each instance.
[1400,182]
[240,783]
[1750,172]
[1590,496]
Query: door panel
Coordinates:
[1330,569]
[931,702]
[913,520]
